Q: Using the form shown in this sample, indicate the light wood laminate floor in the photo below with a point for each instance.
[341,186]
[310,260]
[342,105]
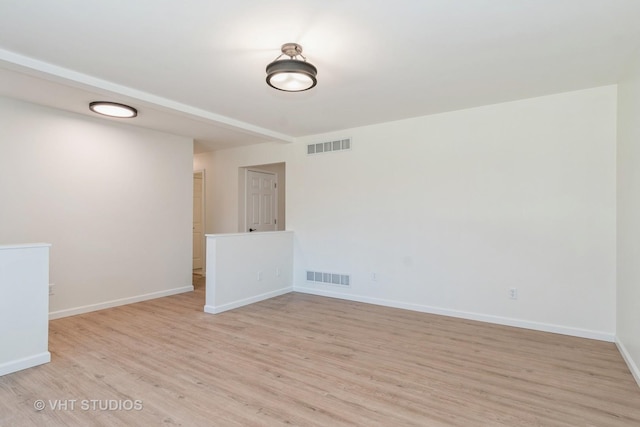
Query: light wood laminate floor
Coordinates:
[307,360]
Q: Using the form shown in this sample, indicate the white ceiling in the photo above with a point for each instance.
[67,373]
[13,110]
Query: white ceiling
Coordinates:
[197,67]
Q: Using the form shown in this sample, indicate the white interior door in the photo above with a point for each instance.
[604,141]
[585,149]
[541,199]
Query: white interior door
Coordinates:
[261,201]
[198,220]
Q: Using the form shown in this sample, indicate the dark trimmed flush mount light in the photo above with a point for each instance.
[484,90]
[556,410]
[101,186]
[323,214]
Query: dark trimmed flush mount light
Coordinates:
[113,109]
[293,74]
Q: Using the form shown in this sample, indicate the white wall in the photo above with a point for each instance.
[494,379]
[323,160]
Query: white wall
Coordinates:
[451,210]
[114,200]
[628,307]
[24,306]
[246,268]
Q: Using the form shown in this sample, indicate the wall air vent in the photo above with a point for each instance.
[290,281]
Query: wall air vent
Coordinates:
[329,146]
[328,278]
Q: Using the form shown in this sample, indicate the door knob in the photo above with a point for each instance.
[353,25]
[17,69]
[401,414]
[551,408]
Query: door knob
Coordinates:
[252,229]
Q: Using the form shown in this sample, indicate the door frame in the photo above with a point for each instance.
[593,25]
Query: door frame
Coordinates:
[203,210]
[246,195]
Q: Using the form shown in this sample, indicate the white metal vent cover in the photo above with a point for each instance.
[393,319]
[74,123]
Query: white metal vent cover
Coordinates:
[329,146]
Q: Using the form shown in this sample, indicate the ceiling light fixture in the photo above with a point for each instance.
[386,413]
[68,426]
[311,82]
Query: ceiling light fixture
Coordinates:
[293,74]
[113,109]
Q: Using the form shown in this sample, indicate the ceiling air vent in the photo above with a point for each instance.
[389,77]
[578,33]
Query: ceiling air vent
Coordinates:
[329,146]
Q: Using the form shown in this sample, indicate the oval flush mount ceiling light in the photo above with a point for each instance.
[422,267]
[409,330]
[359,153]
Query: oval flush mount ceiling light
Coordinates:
[293,74]
[113,109]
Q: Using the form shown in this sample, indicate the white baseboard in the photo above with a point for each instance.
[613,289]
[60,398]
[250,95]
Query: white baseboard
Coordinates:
[239,303]
[24,363]
[114,303]
[635,370]
[545,327]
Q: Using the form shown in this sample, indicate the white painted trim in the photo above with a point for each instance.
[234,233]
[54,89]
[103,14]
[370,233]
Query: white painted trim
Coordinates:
[24,363]
[545,327]
[203,213]
[115,303]
[25,246]
[76,79]
[254,233]
[240,303]
[635,370]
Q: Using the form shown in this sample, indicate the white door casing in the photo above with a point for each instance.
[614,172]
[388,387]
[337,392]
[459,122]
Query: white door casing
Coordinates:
[198,220]
[261,201]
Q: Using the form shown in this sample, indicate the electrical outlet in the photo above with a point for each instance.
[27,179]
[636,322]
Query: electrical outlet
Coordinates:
[51,285]
[513,293]
[259,275]
[277,272]
[374,277]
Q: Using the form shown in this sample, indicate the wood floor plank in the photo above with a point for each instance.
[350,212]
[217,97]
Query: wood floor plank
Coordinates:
[313,361]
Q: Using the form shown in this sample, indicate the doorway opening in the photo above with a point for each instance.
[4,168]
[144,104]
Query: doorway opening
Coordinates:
[198,222]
